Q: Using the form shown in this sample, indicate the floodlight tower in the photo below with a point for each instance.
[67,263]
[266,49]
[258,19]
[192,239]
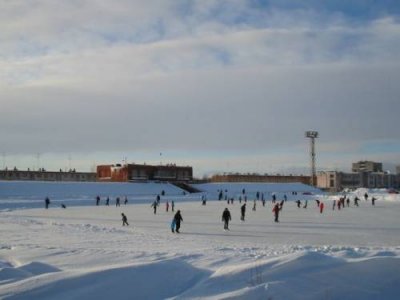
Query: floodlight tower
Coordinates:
[312,135]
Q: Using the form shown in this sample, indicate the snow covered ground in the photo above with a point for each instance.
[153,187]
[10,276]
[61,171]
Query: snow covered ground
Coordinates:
[83,252]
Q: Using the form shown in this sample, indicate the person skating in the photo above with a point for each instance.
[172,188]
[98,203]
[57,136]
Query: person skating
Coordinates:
[154,206]
[242,211]
[126,200]
[305,204]
[226,217]
[172,205]
[298,203]
[373,199]
[158,199]
[254,205]
[108,201]
[366,197]
[321,207]
[178,219]
[97,200]
[356,199]
[47,202]
[124,220]
[166,206]
[276,210]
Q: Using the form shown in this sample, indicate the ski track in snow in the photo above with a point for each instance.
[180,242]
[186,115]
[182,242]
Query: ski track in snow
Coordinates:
[83,252]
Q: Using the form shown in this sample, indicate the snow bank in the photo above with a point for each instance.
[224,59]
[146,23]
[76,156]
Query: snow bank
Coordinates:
[305,275]
[157,280]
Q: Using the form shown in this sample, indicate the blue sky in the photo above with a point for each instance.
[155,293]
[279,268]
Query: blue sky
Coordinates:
[225,86]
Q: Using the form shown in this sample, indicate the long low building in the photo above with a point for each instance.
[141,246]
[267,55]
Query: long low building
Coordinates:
[260,178]
[143,172]
[43,175]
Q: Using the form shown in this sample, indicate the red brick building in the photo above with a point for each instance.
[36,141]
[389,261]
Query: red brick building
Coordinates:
[138,172]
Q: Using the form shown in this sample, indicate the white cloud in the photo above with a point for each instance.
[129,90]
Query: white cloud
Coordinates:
[83,76]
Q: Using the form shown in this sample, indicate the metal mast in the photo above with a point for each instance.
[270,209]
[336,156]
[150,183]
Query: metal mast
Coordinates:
[312,135]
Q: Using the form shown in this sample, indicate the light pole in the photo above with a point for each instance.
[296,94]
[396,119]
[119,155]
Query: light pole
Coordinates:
[312,135]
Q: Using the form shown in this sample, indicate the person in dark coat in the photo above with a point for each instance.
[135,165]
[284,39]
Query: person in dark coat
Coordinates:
[158,199]
[276,210]
[226,217]
[242,211]
[117,202]
[373,200]
[305,204]
[47,202]
[178,219]
[154,206]
[220,195]
[108,201]
[97,200]
[124,220]
[298,203]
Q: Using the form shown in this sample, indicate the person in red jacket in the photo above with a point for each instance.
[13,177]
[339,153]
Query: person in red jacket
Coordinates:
[276,210]
[321,207]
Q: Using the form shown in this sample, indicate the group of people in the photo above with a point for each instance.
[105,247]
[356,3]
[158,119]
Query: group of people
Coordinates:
[117,201]
[226,215]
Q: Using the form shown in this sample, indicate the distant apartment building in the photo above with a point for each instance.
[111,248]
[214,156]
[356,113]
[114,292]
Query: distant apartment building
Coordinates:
[143,172]
[367,174]
[337,181]
[367,166]
[43,175]
[260,178]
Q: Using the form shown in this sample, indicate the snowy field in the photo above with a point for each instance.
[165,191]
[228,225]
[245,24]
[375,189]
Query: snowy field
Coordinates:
[83,252]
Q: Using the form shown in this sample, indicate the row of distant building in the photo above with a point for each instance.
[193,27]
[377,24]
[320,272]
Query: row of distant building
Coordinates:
[366,174]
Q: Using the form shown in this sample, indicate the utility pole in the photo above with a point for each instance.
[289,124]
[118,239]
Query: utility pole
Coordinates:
[312,135]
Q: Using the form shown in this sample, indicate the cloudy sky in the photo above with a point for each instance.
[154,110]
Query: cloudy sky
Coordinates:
[222,85]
